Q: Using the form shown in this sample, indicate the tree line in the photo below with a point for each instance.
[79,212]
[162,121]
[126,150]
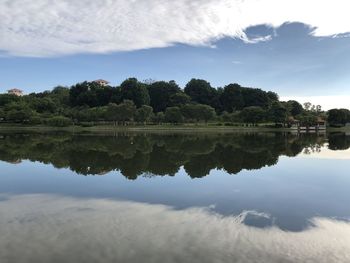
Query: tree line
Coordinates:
[158,102]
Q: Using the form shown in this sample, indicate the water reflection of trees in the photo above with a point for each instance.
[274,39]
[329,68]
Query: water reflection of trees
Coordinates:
[137,154]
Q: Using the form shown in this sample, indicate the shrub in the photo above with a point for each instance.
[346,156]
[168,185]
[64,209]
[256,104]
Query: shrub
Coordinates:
[86,124]
[59,121]
[173,115]
[35,120]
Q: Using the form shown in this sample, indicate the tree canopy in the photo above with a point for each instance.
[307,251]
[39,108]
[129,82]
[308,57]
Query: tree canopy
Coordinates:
[157,102]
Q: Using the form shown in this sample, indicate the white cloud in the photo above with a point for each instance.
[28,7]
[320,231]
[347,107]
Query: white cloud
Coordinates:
[59,27]
[46,228]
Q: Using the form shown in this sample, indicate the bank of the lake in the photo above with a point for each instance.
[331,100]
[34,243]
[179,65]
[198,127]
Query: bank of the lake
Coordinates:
[154,128]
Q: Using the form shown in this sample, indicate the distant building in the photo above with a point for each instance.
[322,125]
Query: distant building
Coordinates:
[319,125]
[101,82]
[16,92]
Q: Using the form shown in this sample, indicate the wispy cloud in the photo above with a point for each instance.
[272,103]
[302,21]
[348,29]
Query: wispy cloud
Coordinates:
[61,27]
[237,62]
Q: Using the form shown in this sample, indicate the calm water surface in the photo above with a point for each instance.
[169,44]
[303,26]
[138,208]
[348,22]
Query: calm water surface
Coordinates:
[135,197]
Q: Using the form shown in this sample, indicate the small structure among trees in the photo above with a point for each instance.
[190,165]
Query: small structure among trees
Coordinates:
[101,82]
[15,91]
[308,123]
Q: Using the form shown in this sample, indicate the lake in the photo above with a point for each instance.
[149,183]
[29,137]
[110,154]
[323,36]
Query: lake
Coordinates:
[174,197]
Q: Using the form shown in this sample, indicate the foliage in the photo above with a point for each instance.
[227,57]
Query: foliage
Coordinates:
[253,114]
[307,119]
[59,121]
[338,117]
[159,102]
[132,89]
[122,112]
[199,91]
[8,98]
[278,113]
[173,115]
[143,114]
[294,107]
[198,112]
[232,98]
[158,118]
[179,99]
[91,94]
[18,112]
[161,94]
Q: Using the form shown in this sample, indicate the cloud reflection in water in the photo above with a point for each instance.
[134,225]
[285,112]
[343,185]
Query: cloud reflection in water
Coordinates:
[50,228]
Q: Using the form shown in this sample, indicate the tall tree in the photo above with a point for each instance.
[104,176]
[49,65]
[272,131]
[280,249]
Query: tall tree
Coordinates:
[252,114]
[160,93]
[132,89]
[294,107]
[200,91]
[255,97]
[231,98]
[122,112]
[198,112]
[338,117]
[278,113]
[143,114]
[173,115]
[179,99]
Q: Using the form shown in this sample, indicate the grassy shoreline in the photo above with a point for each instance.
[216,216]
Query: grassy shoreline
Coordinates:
[154,128]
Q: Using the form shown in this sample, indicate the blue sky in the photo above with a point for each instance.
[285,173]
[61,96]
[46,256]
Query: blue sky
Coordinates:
[307,60]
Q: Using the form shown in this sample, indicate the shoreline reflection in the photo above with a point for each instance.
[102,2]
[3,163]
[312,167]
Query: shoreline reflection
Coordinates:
[158,155]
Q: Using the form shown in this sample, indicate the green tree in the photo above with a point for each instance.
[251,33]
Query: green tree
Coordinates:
[61,95]
[18,112]
[121,113]
[198,112]
[132,89]
[207,113]
[252,114]
[173,115]
[232,98]
[272,96]
[160,93]
[91,114]
[277,113]
[78,94]
[200,91]
[158,117]
[91,94]
[45,105]
[179,99]
[2,115]
[190,113]
[307,119]
[8,98]
[143,114]
[255,97]
[307,106]
[295,108]
[59,121]
[338,117]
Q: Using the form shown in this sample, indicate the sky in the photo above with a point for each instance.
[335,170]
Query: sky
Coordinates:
[299,49]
